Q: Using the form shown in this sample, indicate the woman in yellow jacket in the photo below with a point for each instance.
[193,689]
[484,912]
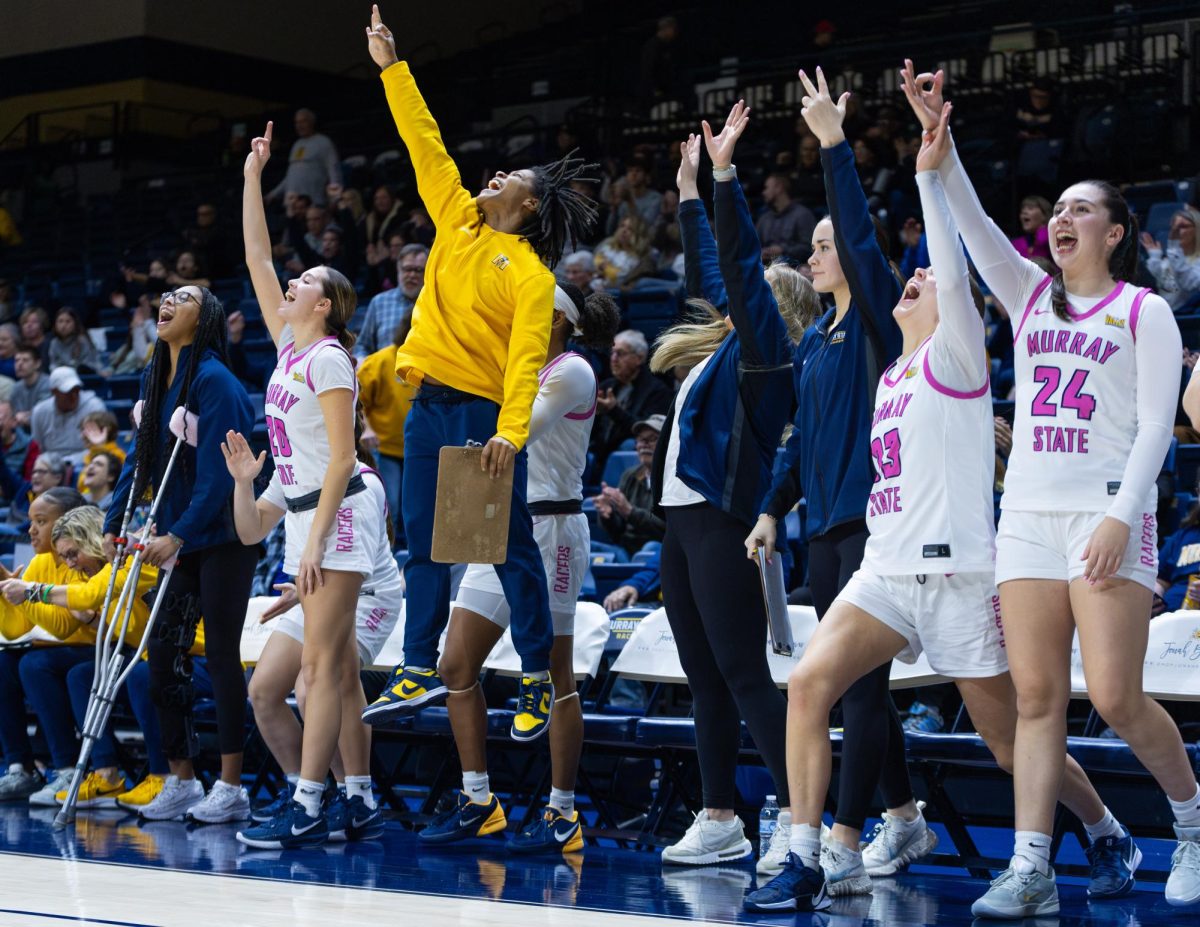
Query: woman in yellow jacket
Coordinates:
[60,639]
[78,538]
[479,337]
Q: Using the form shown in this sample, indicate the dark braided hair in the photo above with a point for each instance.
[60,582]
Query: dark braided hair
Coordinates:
[563,214]
[1122,263]
[151,452]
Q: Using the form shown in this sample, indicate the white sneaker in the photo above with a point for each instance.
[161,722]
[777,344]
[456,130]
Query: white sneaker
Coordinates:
[844,871]
[18,784]
[770,864]
[896,843]
[1183,884]
[60,782]
[707,842]
[174,800]
[224,803]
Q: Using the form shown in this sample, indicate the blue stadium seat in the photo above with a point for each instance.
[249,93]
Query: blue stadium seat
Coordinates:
[1187,461]
[1158,222]
[608,576]
[618,462]
[124,387]
[250,308]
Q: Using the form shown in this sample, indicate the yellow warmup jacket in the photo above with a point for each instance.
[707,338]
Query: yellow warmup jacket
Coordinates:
[89,596]
[482,321]
[386,399]
[18,620]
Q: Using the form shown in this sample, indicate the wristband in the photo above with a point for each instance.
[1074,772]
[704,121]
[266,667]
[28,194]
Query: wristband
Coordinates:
[31,592]
[46,588]
[177,539]
[724,173]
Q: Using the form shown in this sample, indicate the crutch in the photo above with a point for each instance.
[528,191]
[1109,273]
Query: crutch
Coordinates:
[112,669]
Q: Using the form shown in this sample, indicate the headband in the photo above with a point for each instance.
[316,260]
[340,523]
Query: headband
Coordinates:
[569,304]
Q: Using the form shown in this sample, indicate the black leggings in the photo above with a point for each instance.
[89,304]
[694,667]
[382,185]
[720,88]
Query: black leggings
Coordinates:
[872,739]
[213,583]
[715,607]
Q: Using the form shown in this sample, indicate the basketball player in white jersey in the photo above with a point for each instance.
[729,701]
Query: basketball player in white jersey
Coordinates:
[563,411]
[353,812]
[927,578]
[1097,381]
[310,422]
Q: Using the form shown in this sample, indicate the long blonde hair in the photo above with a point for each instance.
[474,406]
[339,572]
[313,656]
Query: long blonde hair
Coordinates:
[688,343]
[83,525]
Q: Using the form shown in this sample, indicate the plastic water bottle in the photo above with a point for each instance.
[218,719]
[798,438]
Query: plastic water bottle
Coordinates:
[768,820]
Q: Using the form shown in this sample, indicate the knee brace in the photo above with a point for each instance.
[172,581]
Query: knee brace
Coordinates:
[178,626]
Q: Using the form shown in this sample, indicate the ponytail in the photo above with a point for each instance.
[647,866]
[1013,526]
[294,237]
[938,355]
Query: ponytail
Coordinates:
[1122,263]
[688,343]
[343,301]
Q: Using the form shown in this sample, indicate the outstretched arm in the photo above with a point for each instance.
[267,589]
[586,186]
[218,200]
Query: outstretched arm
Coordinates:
[701,269]
[258,239]
[761,331]
[438,180]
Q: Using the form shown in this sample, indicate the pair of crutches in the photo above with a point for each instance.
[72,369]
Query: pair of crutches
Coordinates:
[113,664]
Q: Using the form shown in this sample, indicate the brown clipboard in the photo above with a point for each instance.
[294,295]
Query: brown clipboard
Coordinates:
[471,511]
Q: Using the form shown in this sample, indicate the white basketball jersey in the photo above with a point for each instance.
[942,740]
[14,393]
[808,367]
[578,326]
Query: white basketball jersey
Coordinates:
[295,424]
[1076,403]
[933,453]
[558,455]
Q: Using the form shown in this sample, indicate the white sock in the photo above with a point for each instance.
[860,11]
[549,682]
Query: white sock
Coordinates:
[309,793]
[563,801]
[805,842]
[420,669]
[1107,826]
[843,852]
[361,786]
[1032,853]
[477,786]
[907,825]
[785,819]
[543,676]
[292,779]
[340,786]
[1187,813]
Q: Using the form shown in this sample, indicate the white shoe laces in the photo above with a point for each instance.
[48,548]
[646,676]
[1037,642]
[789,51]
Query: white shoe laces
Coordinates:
[779,841]
[887,836]
[694,839]
[1186,855]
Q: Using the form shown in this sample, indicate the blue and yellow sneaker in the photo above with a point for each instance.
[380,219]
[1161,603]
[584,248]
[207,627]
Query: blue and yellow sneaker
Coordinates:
[534,702]
[291,829]
[267,812]
[553,832]
[796,888]
[465,820]
[1113,861]
[405,692]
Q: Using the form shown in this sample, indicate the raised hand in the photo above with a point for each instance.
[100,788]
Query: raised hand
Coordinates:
[924,92]
[823,116]
[239,459]
[1150,243]
[689,166]
[720,147]
[935,144]
[380,42]
[260,153]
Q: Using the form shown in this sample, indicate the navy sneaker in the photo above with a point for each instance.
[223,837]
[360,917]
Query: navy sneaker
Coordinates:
[465,820]
[268,811]
[553,832]
[405,692]
[292,829]
[337,811]
[362,823]
[796,888]
[1114,860]
[534,702]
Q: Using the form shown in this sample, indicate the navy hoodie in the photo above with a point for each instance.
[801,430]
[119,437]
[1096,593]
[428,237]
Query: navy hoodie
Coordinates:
[837,367]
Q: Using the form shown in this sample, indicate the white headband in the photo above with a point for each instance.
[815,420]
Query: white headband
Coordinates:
[564,304]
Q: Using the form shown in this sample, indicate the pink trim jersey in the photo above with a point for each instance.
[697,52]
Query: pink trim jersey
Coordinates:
[560,427]
[295,424]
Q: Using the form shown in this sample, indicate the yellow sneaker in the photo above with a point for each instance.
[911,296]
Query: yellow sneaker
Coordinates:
[146,791]
[95,791]
[534,703]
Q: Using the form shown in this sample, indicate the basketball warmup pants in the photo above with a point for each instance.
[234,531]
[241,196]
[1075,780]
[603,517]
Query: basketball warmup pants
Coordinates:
[442,416]
[872,739]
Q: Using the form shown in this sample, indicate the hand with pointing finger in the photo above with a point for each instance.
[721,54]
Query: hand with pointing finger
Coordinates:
[260,153]
[380,42]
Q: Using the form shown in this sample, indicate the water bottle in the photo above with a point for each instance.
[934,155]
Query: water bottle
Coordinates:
[768,820]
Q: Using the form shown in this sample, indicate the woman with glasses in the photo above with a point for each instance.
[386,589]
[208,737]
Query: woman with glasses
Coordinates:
[189,368]
[48,471]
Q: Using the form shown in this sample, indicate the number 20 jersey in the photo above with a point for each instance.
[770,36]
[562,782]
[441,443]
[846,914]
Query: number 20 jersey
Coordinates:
[931,508]
[1076,402]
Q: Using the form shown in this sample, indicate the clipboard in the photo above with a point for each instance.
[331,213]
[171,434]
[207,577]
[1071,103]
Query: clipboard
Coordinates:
[471,510]
[779,624]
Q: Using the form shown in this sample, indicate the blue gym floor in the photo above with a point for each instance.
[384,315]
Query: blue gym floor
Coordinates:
[109,870]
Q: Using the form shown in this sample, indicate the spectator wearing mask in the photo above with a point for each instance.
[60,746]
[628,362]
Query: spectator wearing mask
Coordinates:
[71,345]
[1034,240]
[1177,270]
[35,323]
[632,394]
[32,385]
[390,308]
[313,162]
[627,511]
[55,422]
[16,447]
[99,479]
[785,227]
[9,340]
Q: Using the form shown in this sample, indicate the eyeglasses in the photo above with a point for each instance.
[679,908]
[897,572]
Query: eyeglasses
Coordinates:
[41,471]
[648,441]
[70,555]
[412,270]
[178,297]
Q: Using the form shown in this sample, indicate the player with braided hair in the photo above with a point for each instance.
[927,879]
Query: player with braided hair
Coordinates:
[481,328]
[190,369]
